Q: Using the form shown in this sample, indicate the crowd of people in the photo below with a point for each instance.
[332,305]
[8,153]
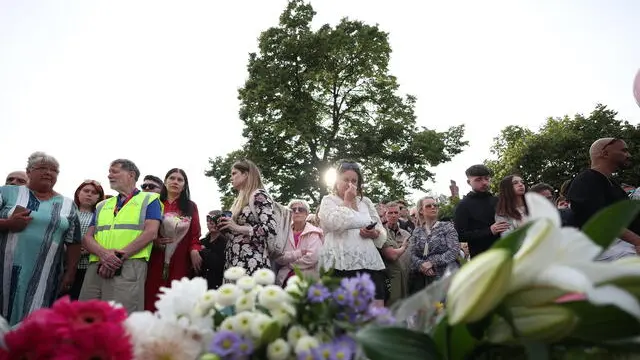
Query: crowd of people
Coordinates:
[123,248]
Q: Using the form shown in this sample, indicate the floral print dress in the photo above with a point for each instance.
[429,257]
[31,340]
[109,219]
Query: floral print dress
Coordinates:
[250,251]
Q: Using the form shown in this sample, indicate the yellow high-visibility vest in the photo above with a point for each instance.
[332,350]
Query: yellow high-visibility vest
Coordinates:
[118,231]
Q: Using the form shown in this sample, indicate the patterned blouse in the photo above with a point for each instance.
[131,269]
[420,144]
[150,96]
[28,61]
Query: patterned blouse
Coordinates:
[85,221]
[250,251]
[442,247]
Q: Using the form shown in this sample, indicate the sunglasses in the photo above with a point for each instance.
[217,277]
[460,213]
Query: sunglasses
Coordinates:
[434,206]
[299,209]
[149,186]
[349,166]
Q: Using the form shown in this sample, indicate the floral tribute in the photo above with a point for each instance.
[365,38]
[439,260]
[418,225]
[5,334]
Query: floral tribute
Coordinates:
[70,330]
[247,318]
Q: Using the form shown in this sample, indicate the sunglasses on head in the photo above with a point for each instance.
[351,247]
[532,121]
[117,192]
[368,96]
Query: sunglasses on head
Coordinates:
[149,186]
[349,166]
[299,209]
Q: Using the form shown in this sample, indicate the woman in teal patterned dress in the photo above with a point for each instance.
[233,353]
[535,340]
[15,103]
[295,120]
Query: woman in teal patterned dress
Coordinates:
[35,224]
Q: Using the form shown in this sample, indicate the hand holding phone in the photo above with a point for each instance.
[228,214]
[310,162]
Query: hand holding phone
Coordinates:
[19,219]
[371,226]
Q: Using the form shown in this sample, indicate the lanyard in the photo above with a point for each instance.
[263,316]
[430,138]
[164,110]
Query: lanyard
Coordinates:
[116,209]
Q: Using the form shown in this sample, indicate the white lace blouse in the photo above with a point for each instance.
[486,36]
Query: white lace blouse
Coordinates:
[344,248]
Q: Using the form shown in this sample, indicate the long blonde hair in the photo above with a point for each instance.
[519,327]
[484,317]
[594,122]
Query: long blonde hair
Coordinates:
[253,183]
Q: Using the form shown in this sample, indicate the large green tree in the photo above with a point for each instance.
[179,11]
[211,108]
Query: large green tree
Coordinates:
[315,96]
[560,148]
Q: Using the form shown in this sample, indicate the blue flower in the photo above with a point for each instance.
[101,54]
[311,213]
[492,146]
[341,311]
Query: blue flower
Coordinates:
[366,285]
[318,293]
[225,343]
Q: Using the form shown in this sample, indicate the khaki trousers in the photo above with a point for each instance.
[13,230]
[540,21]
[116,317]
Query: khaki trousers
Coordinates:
[126,289]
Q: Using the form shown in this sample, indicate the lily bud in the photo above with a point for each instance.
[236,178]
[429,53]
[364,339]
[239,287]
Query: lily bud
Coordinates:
[544,323]
[479,286]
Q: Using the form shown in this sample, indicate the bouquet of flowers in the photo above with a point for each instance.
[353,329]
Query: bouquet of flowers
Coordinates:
[69,330]
[174,227]
[251,318]
[538,293]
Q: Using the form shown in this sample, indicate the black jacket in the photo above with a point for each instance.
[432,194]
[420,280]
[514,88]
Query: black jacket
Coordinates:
[473,217]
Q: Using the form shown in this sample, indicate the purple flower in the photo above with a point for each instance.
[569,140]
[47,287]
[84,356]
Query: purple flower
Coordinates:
[342,296]
[245,347]
[381,315]
[345,341]
[366,285]
[318,293]
[331,351]
[306,355]
[224,343]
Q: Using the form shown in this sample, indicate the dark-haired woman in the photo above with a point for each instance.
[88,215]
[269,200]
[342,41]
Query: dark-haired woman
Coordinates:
[511,207]
[86,197]
[350,248]
[186,258]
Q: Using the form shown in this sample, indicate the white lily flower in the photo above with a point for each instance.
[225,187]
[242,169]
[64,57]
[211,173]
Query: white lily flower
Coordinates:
[563,258]
[545,323]
[479,286]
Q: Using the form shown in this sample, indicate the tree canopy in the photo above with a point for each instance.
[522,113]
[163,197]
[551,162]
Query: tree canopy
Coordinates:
[560,148]
[315,96]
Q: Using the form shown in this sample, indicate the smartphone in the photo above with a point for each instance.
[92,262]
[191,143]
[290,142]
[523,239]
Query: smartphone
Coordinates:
[371,226]
[21,209]
[119,270]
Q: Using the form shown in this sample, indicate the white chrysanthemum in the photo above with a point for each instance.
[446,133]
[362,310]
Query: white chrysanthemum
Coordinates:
[246,283]
[246,302]
[284,313]
[228,324]
[295,333]
[293,289]
[228,294]
[272,296]
[257,290]
[278,350]
[156,338]
[234,273]
[180,299]
[264,277]
[243,322]
[306,343]
[259,324]
[209,299]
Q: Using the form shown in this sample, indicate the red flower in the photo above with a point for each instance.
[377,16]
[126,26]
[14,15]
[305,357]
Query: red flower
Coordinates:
[107,341]
[31,340]
[82,314]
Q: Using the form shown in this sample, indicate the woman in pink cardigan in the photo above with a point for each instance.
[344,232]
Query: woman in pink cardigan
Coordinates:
[303,247]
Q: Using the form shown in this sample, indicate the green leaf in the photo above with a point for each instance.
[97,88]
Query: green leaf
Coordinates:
[513,240]
[454,342]
[607,224]
[602,323]
[271,333]
[391,343]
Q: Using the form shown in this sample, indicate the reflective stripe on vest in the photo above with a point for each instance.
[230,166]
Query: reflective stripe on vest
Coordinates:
[118,231]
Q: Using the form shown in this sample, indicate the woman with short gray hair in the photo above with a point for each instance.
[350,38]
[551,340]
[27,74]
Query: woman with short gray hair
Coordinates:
[35,225]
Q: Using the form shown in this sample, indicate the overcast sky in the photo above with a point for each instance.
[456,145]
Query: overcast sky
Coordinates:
[156,81]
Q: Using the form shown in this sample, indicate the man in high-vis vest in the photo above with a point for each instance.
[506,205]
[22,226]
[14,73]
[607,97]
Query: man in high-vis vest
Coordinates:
[120,239]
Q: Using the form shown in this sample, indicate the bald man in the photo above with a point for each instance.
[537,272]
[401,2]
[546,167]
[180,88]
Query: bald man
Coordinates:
[17,178]
[595,189]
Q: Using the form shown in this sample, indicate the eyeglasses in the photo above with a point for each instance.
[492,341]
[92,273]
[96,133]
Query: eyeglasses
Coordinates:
[299,209]
[46,168]
[149,186]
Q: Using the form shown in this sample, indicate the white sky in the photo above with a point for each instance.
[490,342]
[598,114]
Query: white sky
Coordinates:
[78,78]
